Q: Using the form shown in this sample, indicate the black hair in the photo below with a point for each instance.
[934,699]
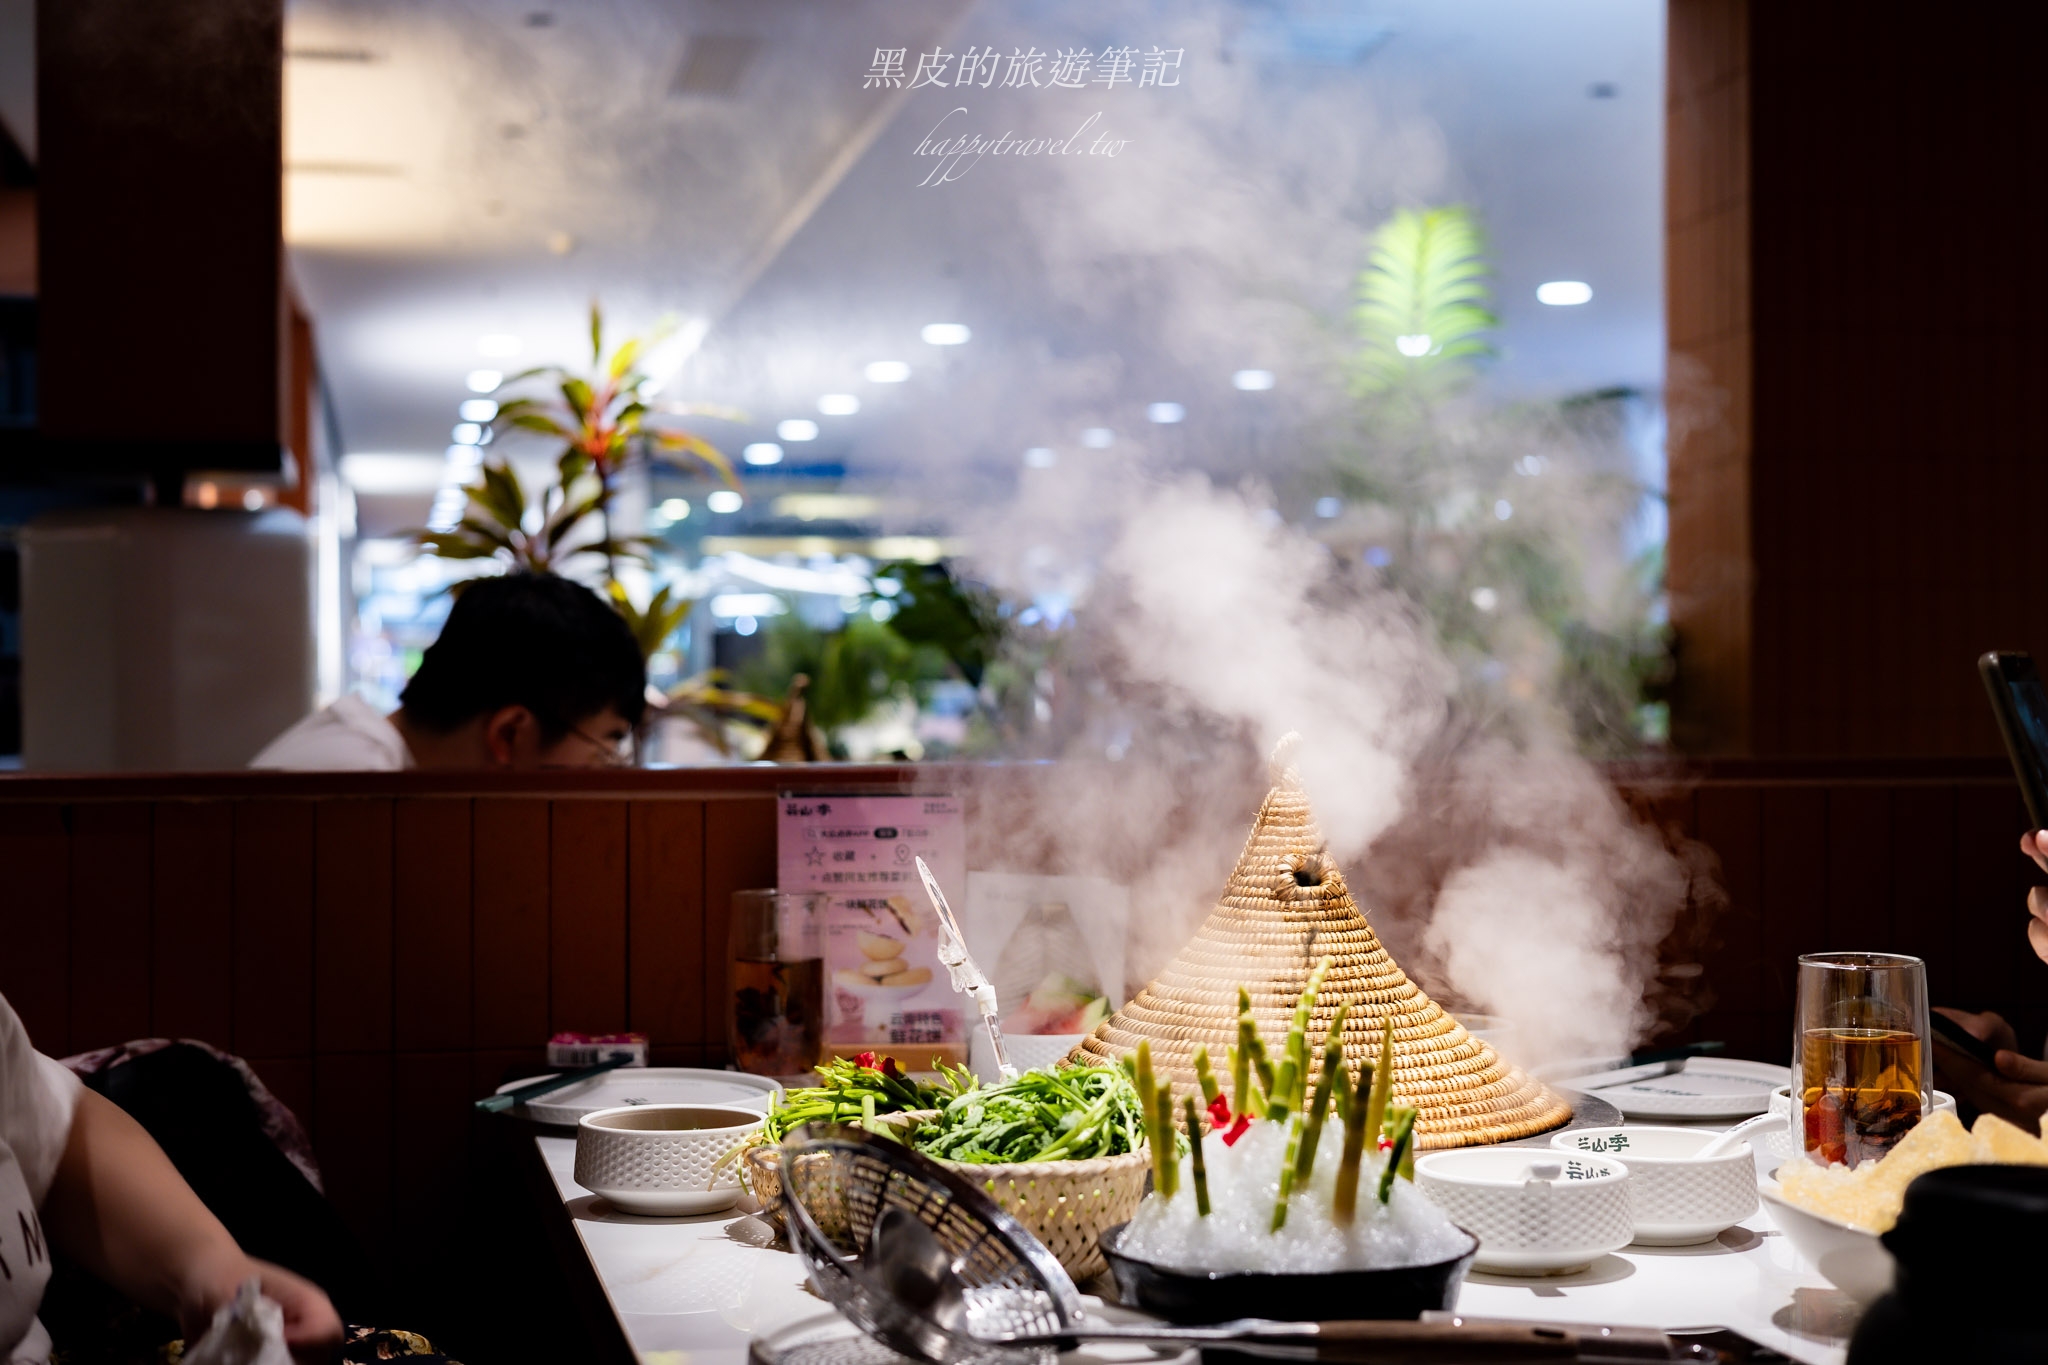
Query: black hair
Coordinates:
[531,640]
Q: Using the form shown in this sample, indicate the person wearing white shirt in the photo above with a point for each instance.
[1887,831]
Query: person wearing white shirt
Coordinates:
[530,671]
[78,1175]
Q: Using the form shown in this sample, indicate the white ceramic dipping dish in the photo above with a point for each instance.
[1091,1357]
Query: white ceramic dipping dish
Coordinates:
[1852,1260]
[1530,1226]
[662,1159]
[1675,1199]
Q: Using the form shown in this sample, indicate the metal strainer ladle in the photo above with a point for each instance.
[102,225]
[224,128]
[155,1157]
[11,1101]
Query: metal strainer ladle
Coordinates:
[928,1265]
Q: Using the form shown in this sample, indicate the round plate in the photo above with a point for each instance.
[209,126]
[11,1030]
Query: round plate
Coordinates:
[1708,1088]
[648,1085]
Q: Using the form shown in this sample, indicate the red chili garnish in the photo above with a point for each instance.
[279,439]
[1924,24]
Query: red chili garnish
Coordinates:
[891,1070]
[866,1059]
[1230,1138]
[1386,1143]
[1219,1112]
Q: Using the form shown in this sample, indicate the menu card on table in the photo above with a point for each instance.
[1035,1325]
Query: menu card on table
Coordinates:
[885,988]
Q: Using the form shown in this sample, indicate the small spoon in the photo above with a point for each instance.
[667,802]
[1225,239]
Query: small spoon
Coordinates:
[1725,1143]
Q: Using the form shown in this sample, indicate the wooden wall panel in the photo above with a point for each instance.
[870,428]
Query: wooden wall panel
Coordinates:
[1924,882]
[665,935]
[35,921]
[510,867]
[433,942]
[352,926]
[587,916]
[739,852]
[1731,824]
[1859,856]
[273,900]
[192,926]
[110,985]
[1793,896]
[352,1123]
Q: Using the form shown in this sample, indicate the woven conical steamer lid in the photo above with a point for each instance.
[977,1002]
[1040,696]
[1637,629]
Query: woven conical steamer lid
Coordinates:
[1268,934]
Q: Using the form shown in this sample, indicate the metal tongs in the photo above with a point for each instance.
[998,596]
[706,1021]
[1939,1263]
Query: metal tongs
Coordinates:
[967,978]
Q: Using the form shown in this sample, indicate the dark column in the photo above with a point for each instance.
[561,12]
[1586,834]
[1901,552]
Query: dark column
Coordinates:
[1861,515]
[159,204]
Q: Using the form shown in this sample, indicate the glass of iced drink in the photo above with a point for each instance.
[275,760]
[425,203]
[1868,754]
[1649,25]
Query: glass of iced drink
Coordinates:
[1860,1063]
[778,981]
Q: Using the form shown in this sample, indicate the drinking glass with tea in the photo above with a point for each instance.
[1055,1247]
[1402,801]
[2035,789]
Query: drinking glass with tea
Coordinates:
[778,981]
[1860,1062]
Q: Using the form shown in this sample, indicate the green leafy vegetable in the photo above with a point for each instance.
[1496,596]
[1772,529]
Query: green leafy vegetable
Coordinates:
[1070,1113]
[859,1088]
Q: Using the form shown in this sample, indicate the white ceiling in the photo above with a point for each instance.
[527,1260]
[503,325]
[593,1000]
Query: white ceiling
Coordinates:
[458,168]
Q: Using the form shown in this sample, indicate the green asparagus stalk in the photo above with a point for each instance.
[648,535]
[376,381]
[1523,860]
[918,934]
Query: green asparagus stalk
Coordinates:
[1204,1076]
[1382,1084]
[1166,1156]
[1333,1065]
[1345,1205]
[1287,1173]
[1408,1154]
[1402,1131]
[1255,1047]
[1240,1075]
[1279,1099]
[1201,1166]
[1148,1112]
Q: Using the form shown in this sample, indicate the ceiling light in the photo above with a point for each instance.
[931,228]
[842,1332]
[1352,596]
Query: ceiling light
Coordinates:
[1564,293]
[464,458]
[724,500]
[1253,381]
[730,604]
[797,429]
[1041,457]
[497,343]
[484,381]
[763,452]
[1486,599]
[1328,507]
[468,434]
[1503,509]
[1166,414]
[945,333]
[393,473]
[1098,438]
[838,405]
[887,371]
[675,509]
[478,409]
[1411,346]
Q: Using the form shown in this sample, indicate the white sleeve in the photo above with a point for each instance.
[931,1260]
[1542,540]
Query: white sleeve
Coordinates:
[38,1096]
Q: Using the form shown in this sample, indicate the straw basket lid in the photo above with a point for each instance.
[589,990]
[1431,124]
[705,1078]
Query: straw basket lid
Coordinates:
[1285,909]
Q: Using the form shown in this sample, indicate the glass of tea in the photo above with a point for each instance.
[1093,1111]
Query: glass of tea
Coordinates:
[1860,1062]
[778,981]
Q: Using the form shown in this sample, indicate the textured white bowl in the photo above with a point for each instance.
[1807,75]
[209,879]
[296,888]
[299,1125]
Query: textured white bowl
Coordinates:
[662,1159]
[1852,1260]
[1675,1200]
[1531,1227]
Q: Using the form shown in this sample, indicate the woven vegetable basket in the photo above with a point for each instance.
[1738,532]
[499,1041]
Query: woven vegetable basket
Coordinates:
[761,1171]
[1067,1204]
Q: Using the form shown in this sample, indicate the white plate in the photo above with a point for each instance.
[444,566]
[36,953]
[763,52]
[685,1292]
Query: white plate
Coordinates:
[1708,1088]
[648,1085]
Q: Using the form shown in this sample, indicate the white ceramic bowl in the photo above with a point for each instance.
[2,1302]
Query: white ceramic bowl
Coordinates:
[1675,1199]
[662,1159]
[1852,1260]
[1531,1226]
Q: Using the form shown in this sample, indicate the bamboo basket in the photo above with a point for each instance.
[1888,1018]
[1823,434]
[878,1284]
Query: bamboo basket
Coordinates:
[761,1173]
[1067,1205]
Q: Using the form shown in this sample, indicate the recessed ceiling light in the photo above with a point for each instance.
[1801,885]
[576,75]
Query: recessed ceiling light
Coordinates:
[1041,457]
[797,429]
[1564,293]
[484,381]
[945,333]
[1252,381]
[887,371]
[464,458]
[467,434]
[497,343]
[1166,414]
[478,409]
[838,404]
[1098,438]
[763,452]
[675,509]
[724,500]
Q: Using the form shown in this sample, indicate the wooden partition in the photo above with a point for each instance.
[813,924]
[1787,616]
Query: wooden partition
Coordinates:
[384,948]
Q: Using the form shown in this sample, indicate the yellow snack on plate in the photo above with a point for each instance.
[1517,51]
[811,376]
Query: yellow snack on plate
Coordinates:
[1870,1196]
[2001,1143]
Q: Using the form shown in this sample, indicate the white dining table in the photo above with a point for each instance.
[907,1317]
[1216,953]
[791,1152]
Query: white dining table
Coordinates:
[697,1291]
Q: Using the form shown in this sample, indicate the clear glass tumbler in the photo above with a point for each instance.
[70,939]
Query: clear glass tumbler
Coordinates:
[778,981]
[1860,1053]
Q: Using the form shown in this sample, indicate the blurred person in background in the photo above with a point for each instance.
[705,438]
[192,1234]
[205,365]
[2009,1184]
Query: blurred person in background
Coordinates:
[530,671]
[2018,1088]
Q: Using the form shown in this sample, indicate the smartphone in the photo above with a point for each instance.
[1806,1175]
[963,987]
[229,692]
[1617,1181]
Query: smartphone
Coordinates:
[2021,706]
[1949,1033]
